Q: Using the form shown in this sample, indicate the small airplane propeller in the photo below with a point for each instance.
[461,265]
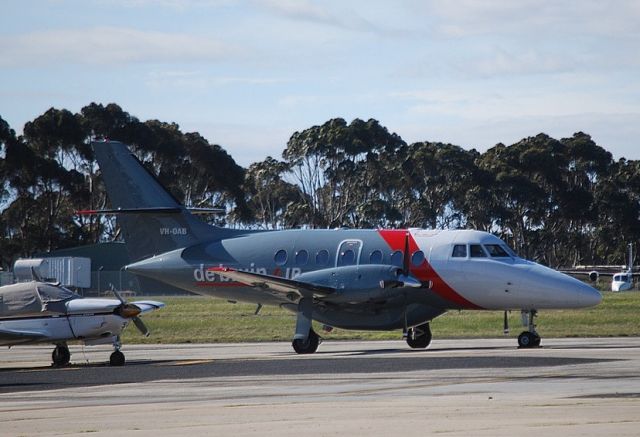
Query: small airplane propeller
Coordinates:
[130,311]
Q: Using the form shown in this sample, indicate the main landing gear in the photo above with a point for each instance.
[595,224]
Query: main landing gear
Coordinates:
[308,345]
[305,340]
[530,337]
[61,355]
[419,337]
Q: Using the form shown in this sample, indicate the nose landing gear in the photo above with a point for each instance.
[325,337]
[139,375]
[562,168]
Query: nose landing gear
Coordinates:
[117,357]
[529,338]
[61,355]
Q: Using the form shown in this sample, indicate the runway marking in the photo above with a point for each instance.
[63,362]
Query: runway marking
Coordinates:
[47,369]
[190,363]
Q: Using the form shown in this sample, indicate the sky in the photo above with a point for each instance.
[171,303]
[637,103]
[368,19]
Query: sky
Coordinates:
[248,74]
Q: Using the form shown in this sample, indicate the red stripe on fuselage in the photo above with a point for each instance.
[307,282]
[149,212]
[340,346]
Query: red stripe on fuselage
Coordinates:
[395,238]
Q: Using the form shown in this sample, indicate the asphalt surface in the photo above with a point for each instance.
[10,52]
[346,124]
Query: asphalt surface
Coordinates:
[483,387]
[80,375]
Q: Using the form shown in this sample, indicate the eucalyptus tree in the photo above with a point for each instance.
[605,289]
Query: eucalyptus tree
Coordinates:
[274,203]
[437,178]
[329,164]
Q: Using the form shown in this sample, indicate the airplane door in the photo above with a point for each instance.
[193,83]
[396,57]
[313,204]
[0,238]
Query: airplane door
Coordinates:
[348,253]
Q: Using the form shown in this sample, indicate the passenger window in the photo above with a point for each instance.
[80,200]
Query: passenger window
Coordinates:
[322,257]
[302,257]
[396,258]
[375,257]
[496,251]
[347,258]
[476,251]
[417,258]
[459,251]
[280,257]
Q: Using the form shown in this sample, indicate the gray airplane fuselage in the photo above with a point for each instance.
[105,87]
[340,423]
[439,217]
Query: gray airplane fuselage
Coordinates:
[354,263]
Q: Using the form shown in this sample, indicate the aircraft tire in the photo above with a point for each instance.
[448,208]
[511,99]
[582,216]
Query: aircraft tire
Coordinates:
[116,359]
[421,341]
[61,355]
[309,346]
[528,339]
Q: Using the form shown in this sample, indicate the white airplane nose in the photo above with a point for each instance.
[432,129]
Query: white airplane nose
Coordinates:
[587,296]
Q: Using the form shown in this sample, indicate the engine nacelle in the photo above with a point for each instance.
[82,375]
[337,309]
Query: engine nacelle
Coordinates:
[362,283]
[593,276]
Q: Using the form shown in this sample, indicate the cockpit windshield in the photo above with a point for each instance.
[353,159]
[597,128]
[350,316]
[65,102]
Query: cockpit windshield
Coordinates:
[482,250]
[496,251]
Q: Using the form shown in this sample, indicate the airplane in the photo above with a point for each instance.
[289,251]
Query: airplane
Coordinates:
[376,279]
[43,312]
[620,281]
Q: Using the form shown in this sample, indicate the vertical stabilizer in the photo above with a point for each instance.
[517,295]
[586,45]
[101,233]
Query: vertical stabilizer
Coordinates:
[154,221]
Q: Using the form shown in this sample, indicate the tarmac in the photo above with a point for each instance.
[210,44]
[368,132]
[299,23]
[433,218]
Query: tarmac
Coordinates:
[479,387]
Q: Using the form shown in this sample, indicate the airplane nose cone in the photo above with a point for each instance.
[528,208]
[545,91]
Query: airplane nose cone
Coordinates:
[587,296]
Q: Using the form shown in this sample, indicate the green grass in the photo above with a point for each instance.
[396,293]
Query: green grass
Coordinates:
[196,319]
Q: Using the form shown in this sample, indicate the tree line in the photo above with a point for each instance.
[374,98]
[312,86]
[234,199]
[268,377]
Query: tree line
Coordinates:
[559,202]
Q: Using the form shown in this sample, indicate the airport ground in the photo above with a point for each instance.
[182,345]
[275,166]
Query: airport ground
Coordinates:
[480,387]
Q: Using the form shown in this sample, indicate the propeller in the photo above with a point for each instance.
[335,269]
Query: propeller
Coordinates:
[404,275]
[405,257]
[130,311]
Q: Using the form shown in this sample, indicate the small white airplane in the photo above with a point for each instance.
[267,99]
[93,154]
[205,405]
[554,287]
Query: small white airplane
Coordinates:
[623,281]
[42,312]
[620,281]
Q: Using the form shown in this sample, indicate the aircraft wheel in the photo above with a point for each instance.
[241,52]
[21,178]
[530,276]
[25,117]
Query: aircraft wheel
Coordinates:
[528,339]
[419,337]
[116,359]
[61,355]
[308,346]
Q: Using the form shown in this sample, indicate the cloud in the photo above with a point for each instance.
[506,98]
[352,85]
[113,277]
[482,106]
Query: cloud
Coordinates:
[337,17]
[196,79]
[543,18]
[504,104]
[108,46]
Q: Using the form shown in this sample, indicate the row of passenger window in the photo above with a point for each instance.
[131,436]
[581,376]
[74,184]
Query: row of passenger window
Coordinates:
[346,258]
[482,251]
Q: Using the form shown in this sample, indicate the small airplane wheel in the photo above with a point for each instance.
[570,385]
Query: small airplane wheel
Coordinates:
[308,346]
[61,355]
[116,359]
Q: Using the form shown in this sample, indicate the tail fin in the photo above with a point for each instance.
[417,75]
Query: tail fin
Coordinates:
[162,224]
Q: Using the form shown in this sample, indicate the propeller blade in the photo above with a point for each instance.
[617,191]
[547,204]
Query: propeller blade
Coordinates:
[405,259]
[115,292]
[141,326]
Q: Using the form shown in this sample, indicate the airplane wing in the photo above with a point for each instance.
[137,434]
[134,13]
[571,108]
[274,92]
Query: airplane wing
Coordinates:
[146,306]
[14,336]
[592,274]
[275,283]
